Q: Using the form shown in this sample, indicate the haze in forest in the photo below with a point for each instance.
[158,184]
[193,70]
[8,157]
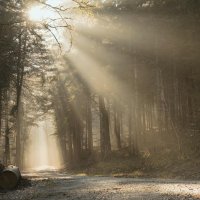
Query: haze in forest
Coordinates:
[89,81]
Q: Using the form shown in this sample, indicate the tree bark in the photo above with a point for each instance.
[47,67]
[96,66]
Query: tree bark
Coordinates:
[104,130]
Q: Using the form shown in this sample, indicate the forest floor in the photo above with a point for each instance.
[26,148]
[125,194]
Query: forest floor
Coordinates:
[157,166]
[62,186]
[158,178]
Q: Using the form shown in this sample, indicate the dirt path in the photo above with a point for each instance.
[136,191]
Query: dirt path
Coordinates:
[61,186]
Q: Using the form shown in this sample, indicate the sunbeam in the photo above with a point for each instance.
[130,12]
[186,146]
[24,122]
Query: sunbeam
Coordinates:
[104,87]
[43,151]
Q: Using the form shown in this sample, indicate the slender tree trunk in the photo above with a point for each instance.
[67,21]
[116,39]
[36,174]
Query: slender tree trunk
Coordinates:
[104,130]
[7,131]
[20,78]
[18,136]
[117,126]
[7,144]
[70,148]
[136,112]
[130,129]
[89,125]
[0,111]
[76,139]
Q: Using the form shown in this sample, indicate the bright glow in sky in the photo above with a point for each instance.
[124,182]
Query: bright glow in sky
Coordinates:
[40,13]
[54,2]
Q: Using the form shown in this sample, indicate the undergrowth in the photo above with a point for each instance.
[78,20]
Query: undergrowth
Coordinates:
[162,165]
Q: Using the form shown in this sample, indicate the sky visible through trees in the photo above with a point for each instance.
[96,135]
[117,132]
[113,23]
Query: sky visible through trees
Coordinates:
[88,80]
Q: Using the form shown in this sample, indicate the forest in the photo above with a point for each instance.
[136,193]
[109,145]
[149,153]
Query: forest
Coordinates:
[116,79]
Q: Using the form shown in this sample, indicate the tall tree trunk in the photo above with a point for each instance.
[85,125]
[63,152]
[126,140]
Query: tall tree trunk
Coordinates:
[7,130]
[130,129]
[117,125]
[104,130]
[18,136]
[20,78]
[76,138]
[7,144]
[0,111]
[136,112]
[89,125]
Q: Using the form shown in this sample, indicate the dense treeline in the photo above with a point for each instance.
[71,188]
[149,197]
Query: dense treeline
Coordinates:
[152,103]
[13,48]
[24,61]
[132,86]
[22,51]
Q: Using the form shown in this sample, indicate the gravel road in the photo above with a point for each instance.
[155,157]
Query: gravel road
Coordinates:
[62,186]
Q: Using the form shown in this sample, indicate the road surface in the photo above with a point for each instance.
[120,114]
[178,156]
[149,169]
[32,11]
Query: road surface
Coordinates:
[62,186]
